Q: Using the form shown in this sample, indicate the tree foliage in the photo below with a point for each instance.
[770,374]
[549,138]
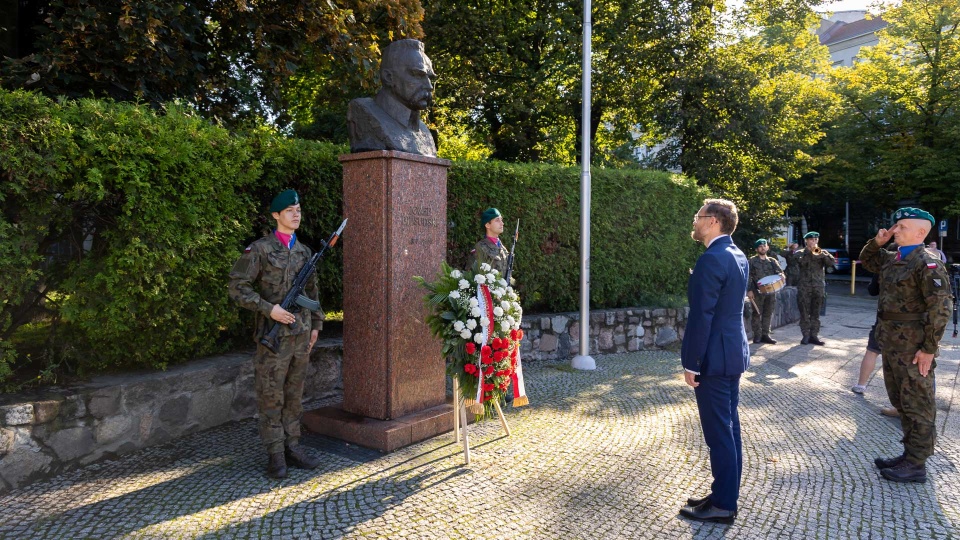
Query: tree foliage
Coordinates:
[229,59]
[897,138]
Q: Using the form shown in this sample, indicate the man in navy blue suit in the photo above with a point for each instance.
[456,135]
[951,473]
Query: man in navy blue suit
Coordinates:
[715,354]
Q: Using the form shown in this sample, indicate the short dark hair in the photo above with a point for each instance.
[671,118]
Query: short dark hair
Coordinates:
[726,213]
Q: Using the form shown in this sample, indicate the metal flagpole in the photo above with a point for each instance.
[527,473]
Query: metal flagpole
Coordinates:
[584,360]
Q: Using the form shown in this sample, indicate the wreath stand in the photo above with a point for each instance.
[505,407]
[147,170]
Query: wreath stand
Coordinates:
[460,420]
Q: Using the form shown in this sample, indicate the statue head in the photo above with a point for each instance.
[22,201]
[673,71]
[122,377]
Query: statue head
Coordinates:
[407,73]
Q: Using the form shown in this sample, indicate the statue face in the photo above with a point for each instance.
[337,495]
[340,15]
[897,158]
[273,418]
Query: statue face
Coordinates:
[411,79]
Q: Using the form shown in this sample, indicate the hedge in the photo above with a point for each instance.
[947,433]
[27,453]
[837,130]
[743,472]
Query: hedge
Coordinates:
[119,224]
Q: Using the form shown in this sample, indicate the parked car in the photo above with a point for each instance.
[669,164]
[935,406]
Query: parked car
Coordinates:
[843,260]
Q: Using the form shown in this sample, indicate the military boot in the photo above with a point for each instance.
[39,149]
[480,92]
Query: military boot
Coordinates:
[768,339]
[277,466]
[805,340]
[816,340]
[905,471]
[300,459]
[886,463]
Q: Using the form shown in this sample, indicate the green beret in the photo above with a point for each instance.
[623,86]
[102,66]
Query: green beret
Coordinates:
[811,234]
[283,200]
[913,213]
[489,215]
[760,242]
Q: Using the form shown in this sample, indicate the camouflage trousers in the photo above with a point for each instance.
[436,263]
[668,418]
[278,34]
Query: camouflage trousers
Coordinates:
[810,300]
[278,380]
[761,323]
[913,396]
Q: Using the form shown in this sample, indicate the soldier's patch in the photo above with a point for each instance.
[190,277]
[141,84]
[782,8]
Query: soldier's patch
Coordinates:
[248,248]
[936,282]
[931,265]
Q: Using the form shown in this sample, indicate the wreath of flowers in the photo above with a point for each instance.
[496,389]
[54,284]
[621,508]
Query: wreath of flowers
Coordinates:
[477,316]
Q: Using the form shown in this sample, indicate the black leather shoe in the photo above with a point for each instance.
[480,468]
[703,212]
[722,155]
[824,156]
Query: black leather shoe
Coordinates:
[756,340]
[694,502]
[300,459]
[276,466]
[805,340]
[905,471]
[816,340]
[768,339]
[708,512]
[886,463]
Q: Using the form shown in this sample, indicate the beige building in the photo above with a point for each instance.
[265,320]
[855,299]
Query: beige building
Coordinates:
[845,32]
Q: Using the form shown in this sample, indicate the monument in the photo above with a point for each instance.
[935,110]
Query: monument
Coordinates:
[395,196]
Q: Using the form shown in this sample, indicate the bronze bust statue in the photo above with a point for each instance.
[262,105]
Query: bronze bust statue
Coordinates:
[391,120]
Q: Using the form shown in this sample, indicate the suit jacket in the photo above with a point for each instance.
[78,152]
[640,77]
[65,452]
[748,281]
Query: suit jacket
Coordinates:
[715,341]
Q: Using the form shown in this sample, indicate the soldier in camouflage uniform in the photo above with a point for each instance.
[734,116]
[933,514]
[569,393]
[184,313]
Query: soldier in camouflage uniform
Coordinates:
[258,281]
[793,273]
[762,266]
[490,249]
[810,263]
[912,314]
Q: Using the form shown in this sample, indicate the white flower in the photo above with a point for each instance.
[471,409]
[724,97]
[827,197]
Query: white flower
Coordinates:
[458,326]
[475,312]
[463,284]
[478,337]
[465,334]
[480,279]
[471,323]
[505,326]
[516,325]
[502,282]
[474,302]
[484,321]
[484,267]
[455,274]
[491,278]
[510,319]
[500,292]
[505,305]
[498,311]
[454,294]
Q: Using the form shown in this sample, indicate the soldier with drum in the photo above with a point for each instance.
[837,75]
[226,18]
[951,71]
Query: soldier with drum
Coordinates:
[766,278]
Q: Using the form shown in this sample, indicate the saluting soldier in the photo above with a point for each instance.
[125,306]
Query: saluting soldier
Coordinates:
[490,249]
[811,262]
[793,273]
[258,281]
[913,310]
[762,266]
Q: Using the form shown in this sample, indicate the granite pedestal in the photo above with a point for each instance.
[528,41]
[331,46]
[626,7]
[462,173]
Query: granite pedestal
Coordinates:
[394,385]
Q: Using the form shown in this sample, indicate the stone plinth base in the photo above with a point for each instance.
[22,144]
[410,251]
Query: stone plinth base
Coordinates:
[382,435]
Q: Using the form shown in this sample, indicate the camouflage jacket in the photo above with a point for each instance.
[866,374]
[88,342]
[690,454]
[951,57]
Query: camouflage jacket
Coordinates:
[760,268]
[487,252]
[262,276]
[919,284]
[810,266]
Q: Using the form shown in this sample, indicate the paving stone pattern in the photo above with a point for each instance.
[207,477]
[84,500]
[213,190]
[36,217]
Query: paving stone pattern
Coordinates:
[606,454]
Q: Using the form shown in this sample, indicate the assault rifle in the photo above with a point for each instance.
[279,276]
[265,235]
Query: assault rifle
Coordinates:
[295,296]
[955,285]
[516,235]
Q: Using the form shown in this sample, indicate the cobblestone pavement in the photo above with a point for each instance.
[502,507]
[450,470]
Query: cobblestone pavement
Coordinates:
[606,454]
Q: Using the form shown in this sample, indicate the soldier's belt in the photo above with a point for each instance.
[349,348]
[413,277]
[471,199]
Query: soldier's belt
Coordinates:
[893,316]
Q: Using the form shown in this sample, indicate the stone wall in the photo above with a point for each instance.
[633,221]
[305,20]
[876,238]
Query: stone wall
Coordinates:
[557,336]
[65,428]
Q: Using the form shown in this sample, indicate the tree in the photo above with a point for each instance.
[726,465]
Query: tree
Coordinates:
[228,59]
[898,134]
[739,108]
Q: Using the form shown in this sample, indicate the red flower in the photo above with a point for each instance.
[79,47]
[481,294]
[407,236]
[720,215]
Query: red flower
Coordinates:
[513,335]
[485,351]
[471,348]
[488,371]
[486,361]
[487,387]
[499,355]
[470,368]
[519,335]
